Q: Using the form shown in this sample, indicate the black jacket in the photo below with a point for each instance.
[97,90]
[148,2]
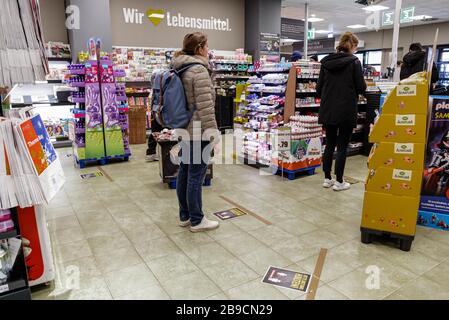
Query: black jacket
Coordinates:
[339,85]
[416,61]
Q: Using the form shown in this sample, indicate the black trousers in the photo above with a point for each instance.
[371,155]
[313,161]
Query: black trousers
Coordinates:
[336,136]
[152,143]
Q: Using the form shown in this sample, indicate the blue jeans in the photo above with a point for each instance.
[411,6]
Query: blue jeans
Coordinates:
[192,171]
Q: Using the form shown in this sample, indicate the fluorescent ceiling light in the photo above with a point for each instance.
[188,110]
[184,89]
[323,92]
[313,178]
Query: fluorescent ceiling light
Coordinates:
[313,18]
[322,31]
[421,17]
[356,26]
[375,8]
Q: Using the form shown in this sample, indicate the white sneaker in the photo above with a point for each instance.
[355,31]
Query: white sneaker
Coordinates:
[184,223]
[205,225]
[328,183]
[152,157]
[341,186]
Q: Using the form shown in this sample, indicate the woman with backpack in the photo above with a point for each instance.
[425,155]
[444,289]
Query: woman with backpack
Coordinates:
[339,85]
[202,130]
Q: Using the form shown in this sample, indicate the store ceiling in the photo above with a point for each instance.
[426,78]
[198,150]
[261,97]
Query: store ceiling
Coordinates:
[338,14]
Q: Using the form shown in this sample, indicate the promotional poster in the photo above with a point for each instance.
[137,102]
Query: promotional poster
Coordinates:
[434,207]
[229,214]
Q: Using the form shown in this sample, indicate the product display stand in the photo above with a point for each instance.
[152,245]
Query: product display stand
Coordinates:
[393,186]
[100,128]
[16,287]
[261,112]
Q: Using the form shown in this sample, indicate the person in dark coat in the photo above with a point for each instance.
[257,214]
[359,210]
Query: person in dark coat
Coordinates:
[416,61]
[296,55]
[339,85]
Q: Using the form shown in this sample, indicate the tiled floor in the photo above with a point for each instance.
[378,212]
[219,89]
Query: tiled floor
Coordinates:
[121,237]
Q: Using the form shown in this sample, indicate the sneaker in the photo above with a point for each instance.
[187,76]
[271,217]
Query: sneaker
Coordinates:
[205,225]
[341,186]
[151,157]
[184,223]
[328,183]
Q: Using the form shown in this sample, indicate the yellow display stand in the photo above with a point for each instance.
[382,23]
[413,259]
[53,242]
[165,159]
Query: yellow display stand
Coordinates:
[393,185]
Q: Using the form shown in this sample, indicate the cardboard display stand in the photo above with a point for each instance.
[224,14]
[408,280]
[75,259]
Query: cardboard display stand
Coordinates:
[392,187]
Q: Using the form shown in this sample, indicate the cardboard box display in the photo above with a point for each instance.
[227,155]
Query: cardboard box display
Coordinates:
[409,128]
[407,99]
[394,181]
[395,214]
[407,156]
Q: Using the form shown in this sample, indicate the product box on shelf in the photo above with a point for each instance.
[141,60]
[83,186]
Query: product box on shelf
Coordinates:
[390,213]
[111,117]
[394,181]
[303,154]
[408,98]
[409,128]
[407,156]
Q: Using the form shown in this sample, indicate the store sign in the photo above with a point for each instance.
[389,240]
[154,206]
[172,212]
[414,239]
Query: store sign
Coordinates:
[406,90]
[319,46]
[287,279]
[282,139]
[405,120]
[270,46]
[175,20]
[406,16]
[292,29]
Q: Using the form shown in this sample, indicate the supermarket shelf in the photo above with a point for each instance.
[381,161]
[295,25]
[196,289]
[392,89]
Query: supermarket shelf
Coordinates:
[224,71]
[270,71]
[40,104]
[308,106]
[62,144]
[8,234]
[231,77]
[60,59]
[230,62]
[138,94]
[307,78]
[299,91]
[130,84]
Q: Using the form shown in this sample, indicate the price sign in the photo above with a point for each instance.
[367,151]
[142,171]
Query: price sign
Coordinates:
[282,138]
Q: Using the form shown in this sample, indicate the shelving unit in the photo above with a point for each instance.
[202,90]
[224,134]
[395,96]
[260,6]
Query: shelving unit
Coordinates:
[17,286]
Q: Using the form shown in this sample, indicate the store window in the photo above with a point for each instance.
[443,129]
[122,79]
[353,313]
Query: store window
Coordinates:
[374,59]
[443,66]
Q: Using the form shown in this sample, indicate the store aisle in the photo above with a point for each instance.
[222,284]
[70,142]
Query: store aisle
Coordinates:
[119,233]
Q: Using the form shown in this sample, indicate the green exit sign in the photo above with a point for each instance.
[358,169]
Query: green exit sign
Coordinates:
[406,16]
[311,34]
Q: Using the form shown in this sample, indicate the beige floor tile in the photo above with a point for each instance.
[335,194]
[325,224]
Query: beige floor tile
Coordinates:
[248,223]
[59,211]
[315,216]
[326,292]
[86,268]
[106,244]
[171,266]
[440,236]
[118,259]
[272,235]
[155,292]
[357,285]
[295,226]
[295,249]
[144,233]
[421,289]
[255,290]
[219,296]
[226,230]
[129,223]
[123,209]
[191,286]
[346,230]
[435,250]
[69,235]
[208,254]
[156,248]
[190,240]
[334,267]
[242,244]
[129,280]
[322,238]
[91,289]
[100,229]
[438,274]
[61,223]
[230,273]
[261,259]
[71,251]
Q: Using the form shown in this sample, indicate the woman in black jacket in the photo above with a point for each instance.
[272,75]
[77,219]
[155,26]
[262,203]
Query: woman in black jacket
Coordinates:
[339,85]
